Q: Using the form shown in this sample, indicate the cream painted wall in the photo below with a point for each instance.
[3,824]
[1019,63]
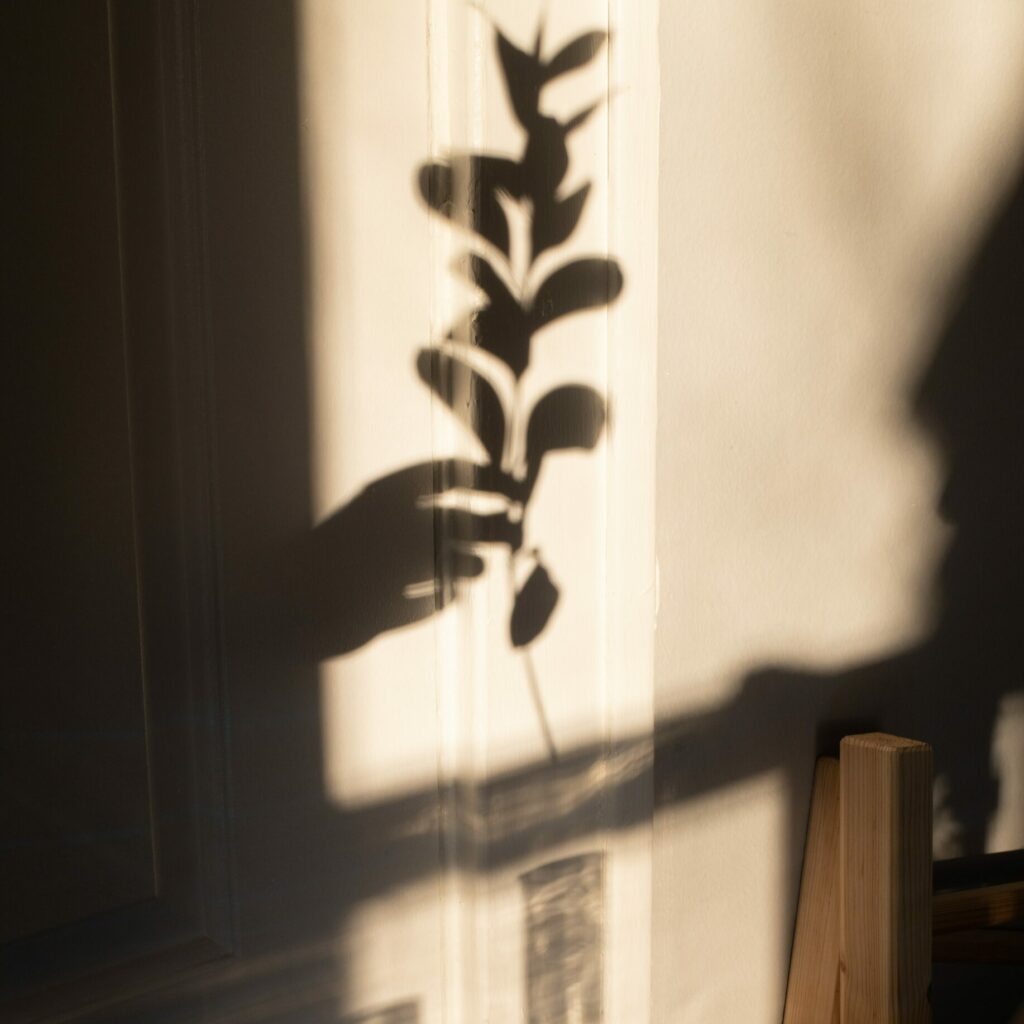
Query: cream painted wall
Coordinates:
[445,703]
[826,172]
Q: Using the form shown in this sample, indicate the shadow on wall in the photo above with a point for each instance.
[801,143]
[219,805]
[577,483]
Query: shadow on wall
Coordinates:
[362,580]
[294,597]
[363,573]
[291,599]
[947,690]
[368,567]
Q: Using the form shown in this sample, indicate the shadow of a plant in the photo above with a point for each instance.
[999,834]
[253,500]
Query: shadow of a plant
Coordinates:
[472,190]
[370,560]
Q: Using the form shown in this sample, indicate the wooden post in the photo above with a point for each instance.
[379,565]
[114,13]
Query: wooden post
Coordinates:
[885,857]
[812,995]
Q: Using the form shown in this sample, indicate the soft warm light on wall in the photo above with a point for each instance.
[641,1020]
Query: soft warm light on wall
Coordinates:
[834,169]
[388,87]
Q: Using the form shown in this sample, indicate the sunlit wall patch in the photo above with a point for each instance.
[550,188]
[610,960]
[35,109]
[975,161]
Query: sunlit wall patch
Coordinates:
[476,368]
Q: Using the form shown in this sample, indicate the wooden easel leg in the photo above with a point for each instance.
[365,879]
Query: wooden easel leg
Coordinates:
[885,870]
[812,995]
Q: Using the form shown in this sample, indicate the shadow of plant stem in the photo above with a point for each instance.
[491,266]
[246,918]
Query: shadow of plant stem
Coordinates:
[487,351]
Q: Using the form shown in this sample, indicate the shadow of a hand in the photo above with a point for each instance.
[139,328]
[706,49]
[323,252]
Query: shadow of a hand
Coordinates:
[392,555]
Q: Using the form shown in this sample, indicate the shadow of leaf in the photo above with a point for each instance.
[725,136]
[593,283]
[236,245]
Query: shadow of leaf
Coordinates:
[482,274]
[575,54]
[501,329]
[545,159]
[533,606]
[465,189]
[571,416]
[524,76]
[580,119]
[582,284]
[469,395]
[554,220]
